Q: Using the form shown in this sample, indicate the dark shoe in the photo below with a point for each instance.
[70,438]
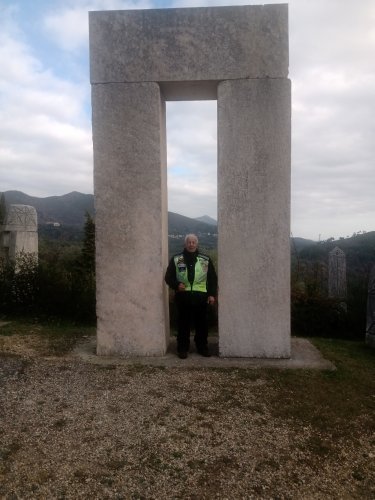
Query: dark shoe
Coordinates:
[182,355]
[204,352]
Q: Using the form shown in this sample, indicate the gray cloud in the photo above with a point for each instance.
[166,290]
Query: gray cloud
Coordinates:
[45,135]
[333,75]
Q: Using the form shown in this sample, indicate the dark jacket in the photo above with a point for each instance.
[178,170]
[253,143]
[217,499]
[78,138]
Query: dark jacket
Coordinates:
[190,260]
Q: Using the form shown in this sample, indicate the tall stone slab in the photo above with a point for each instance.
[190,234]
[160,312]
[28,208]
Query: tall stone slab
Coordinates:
[131,218]
[253,217]
[238,55]
[337,274]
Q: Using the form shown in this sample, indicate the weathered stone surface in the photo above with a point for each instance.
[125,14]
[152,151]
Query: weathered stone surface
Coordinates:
[337,274]
[208,43]
[370,323]
[254,217]
[21,218]
[19,233]
[131,218]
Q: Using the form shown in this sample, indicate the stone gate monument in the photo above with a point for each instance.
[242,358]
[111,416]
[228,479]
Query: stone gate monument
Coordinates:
[138,60]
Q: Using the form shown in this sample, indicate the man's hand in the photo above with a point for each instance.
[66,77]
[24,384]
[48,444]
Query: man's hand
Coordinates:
[210,300]
[181,287]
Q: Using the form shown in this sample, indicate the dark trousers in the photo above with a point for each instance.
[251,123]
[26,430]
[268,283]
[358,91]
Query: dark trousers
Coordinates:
[192,312]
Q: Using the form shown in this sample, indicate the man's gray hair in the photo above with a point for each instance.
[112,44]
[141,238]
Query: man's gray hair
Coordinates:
[191,235]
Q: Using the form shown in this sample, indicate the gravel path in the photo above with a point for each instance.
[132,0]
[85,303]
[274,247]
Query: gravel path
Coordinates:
[71,429]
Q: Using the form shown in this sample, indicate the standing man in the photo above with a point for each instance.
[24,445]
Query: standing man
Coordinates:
[193,277]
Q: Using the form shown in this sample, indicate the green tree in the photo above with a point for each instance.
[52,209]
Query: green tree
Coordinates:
[88,249]
[18,284]
[84,284]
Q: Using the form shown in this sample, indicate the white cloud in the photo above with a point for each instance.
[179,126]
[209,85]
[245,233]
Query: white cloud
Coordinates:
[333,79]
[333,75]
[192,150]
[45,137]
[218,3]
[67,25]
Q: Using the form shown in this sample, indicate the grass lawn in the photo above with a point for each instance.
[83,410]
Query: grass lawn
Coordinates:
[329,400]
[52,338]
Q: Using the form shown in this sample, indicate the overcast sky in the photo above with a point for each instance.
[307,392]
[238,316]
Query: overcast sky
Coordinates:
[45,111]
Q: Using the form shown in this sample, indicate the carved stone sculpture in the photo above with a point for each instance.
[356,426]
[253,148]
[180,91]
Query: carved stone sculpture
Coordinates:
[337,274]
[19,233]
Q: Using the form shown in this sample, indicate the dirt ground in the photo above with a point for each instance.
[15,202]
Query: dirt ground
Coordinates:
[72,429]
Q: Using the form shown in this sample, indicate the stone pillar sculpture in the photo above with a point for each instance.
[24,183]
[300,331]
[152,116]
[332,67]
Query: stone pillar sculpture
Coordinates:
[337,274]
[139,59]
[253,209]
[19,233]
[131,219]
[370,321]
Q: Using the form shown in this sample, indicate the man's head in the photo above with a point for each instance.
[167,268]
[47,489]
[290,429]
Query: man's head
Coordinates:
[191,243]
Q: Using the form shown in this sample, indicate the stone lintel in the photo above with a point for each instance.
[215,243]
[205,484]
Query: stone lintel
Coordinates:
[189,44]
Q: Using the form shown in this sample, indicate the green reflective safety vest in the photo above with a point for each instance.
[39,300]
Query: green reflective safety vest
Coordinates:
[200,277]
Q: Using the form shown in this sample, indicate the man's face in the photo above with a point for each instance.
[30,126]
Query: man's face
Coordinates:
[191,244]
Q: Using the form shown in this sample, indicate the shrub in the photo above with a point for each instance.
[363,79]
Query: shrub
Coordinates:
[315,314]
[18,283]
[67,279]
[60,285]
[318,316]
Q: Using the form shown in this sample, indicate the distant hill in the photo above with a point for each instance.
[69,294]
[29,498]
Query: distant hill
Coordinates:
[299,244]
[68,209]
[207,219]
[359,251]
[69,212]
[179,224]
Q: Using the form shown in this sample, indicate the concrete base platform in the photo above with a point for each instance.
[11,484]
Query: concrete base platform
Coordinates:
[304,355]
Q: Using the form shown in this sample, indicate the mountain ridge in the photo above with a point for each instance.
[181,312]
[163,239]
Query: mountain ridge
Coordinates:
[70,209]
[207,219]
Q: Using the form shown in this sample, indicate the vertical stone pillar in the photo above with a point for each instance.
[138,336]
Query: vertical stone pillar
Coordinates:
[254,217]
[337,274]
[131,218]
